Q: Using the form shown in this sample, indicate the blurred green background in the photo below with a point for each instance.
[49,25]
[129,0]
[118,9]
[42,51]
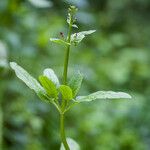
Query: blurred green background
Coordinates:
[116,57]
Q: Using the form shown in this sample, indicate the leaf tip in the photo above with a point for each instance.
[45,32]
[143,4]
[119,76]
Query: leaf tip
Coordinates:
[128,96]
[12,64]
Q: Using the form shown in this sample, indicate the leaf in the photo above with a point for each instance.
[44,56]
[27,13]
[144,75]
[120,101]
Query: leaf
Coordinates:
[50,74]
[70,23]
[75,26]
[102,95]
[41,3]
[59,41]
[31,82]
[75,83]
[66,92]
[87,32]
[45,97]
[78,37]
[49,86]
[73,145]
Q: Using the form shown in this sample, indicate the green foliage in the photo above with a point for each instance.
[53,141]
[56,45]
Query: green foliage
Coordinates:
[50,74]
[49,87]
[103,95]
[76,38]
[66,92]
[23,75]
[115,57]
[75,83]
[59,41]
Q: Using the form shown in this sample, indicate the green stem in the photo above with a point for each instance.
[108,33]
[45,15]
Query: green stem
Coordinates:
[65,74]
[67,56]
[62,132]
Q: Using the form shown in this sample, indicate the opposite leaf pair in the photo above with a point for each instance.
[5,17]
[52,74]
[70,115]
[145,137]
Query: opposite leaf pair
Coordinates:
[51,87]
[76,38]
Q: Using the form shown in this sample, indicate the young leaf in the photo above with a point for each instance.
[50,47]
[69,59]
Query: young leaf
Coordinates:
[73,145]
[70,22]
[31,82]
[49,86]
[75,83]
[59,41]
[103,95]
[76,38]
[75,26]
[45,97]
[66,92]
[50,74]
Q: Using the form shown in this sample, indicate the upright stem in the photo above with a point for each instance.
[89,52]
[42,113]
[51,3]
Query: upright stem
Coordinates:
[65,73]
[67,56]
[62,132]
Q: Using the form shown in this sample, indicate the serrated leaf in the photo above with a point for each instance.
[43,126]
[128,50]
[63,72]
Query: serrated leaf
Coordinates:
[50,74]
[73,145]
[59,41]
[78,37]
[75,83]
[103,95]
[49,86]
[66,92]
[31,82]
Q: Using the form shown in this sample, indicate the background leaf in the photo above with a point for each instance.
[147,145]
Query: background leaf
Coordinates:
[3,55]
[41,3]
